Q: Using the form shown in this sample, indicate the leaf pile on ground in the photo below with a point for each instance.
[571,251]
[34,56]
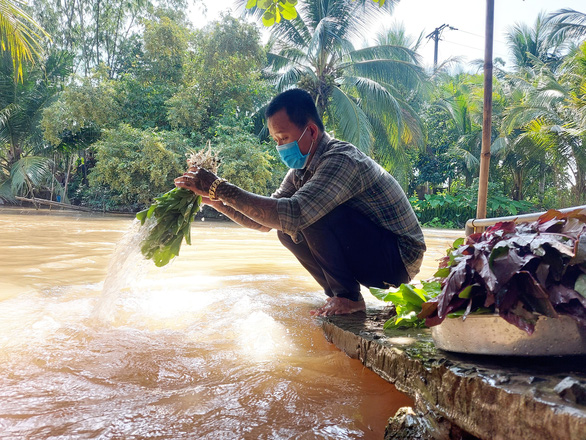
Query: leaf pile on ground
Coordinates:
[519,271]
[173,213]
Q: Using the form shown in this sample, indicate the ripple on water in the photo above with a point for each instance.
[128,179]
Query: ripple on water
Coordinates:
[210,347]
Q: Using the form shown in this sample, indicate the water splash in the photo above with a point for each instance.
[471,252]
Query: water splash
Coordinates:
[125,269]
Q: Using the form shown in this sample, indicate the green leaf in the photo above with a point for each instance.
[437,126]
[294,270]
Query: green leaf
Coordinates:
[161,257]
[465,293]
[180,220]
[442,273]
[407,294]
[187,234]
[250,4]
[458,242]
[395,297]
[500,250]
[432,289]
[378,293]
[580,285]
[268,19]
[151,210]
[408,319]
[175,245]
[288,11]
[142,215]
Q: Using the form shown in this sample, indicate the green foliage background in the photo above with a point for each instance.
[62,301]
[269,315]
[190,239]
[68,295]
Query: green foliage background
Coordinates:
[108,111]
[137,164]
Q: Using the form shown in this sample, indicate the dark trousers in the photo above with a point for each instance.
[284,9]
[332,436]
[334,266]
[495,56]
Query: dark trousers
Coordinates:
[345,249]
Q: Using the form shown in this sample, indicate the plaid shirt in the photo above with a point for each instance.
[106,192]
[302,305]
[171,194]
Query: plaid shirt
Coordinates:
[340,173]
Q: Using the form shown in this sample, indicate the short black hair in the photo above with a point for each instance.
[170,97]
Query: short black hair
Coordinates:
[299,107]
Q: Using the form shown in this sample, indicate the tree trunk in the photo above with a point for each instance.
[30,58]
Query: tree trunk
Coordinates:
[97,42]
[14,154]
[487,113]
[518,184]
[69,165]
[542,182]
[52,181]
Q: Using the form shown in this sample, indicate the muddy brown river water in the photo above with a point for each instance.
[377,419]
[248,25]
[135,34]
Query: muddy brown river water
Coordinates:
[95,344]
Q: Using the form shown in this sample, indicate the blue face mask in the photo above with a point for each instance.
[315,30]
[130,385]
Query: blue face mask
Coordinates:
[291,154]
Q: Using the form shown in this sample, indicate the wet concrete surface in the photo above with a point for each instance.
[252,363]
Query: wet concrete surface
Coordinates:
[487,397]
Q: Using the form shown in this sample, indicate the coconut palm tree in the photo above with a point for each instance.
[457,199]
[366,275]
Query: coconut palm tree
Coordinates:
[529,45]
[24,164]
[363,94]
[20,35]
[396,35]
[460,96]
[534,142]
[550,114]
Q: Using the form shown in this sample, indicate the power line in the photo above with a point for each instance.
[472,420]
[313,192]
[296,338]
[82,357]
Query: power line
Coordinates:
[471,33]
[478,49]
[479,36]
[464,45]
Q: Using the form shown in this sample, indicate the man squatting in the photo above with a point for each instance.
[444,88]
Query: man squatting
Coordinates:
[341,214]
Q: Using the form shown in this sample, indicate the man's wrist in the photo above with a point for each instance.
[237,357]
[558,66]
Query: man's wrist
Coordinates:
[213,188]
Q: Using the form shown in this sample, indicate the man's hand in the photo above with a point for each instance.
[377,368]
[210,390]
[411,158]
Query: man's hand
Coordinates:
[197,180]
[253,211]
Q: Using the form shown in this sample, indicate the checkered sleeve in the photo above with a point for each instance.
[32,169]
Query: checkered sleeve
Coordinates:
[287,187]
[334,182]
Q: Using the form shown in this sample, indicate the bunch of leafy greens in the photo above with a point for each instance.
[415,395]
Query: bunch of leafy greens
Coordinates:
[408,301]
[173,213]
[519,271]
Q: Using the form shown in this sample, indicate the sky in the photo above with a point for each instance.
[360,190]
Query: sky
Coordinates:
[466,16]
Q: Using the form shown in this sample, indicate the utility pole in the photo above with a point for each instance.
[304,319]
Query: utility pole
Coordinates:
[435,34]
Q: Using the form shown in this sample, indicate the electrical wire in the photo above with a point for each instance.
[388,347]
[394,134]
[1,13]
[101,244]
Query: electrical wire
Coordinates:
[479,36]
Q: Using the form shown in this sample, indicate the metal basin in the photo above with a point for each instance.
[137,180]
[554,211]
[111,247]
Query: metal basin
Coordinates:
[491,334]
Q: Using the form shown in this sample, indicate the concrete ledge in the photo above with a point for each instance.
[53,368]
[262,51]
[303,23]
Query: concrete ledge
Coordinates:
[490,397]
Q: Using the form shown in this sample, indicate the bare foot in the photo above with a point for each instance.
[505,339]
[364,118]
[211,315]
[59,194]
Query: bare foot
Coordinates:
[339,306]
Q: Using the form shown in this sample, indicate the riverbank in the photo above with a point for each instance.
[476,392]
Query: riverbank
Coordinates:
[466,396]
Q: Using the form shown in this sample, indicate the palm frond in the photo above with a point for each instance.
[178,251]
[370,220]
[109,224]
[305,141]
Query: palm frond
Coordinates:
[396,35]
[20,34]
[413,131]
[469,159]
[385,152]
[290,77]
[568,24]
[386,51]
[6,191]
[352,122]
[29,169]
[284,58]
[391,71]
[500,146]
[294,32]
[373,95]
[7,113]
